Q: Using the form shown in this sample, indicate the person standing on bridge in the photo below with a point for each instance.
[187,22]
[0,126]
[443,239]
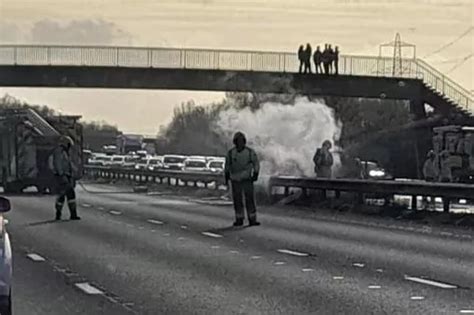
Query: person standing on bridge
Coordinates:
[330,58]
[241,169]
[317,58]
[301,58]
[307,58]
[446,175]
[63,169]
[336,60]
[326,59]
[323,160]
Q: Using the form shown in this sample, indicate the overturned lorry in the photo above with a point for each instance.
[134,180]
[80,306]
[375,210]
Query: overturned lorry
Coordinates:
[27,141]
[458,141]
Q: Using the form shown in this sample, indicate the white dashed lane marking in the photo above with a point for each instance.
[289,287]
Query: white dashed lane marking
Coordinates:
[292,252]
[338,277]
[279,263]
[373,287]
[35,257]
[88,289]
[431,282]
[115,212]
[152,221]
[184,227]
[417,298]
[215,246]
[86,205]
[100,208]
[166,234]
[466,311]
[379,270]
[234,252]
[359,265]
[307,269]
[211,234]
[255,257]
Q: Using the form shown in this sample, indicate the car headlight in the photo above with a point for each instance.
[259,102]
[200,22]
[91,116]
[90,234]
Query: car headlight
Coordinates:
[377,173]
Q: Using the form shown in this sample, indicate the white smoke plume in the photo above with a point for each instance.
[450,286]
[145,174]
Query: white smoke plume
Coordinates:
[285,137]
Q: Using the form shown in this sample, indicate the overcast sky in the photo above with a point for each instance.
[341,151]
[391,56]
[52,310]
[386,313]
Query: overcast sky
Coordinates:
[357,26]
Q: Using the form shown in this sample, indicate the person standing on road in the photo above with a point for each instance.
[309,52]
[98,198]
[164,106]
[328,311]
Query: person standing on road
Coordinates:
[241,169]
[430,174]
[323,160]
[63,169]
[317,58]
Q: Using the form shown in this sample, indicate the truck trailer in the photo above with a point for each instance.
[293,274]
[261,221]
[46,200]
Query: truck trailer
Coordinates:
[27,141]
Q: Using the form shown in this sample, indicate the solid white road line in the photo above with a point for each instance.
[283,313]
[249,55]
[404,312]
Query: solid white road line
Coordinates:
[152,221]
[360,265]
[417,298]
[431,282]
[211,234]
[115,212]
[35,257]
[292,252]
[88,289]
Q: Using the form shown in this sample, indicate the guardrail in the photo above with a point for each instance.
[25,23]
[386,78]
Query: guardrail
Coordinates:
[176,58]
[160,177]
[387,188]
[447,191]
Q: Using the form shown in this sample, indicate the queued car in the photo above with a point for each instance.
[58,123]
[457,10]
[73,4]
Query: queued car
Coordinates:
[101,160]
[216,165]
[195,165]
[5,261]
[123,161]
[371,170]
[155,163]
[173,162]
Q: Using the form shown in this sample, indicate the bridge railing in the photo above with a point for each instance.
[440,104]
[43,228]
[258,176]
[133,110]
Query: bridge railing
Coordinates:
[225,60]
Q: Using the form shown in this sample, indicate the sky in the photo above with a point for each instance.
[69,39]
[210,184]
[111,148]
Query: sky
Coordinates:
[356,26]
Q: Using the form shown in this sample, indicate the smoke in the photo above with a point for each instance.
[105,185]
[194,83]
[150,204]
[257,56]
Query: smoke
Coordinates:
[284,136]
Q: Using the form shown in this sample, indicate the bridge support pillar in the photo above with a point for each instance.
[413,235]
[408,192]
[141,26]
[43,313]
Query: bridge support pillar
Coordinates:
[421,146]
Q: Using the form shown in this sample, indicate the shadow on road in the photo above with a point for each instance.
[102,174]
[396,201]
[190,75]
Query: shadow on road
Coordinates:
[46,222]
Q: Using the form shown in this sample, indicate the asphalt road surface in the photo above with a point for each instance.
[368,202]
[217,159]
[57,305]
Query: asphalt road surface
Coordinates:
[149,254]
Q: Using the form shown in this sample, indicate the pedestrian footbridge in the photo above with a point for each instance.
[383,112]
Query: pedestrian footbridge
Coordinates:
[226,70]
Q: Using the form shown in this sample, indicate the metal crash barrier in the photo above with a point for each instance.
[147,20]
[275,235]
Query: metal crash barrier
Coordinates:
[447,191]
[160,177]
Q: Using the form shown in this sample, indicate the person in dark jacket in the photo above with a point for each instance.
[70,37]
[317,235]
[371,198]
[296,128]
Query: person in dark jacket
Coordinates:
[331,58]
[323,160]
[326,59]
[241,169]
[307,58]
[317,58]
[301,58]
[336,60]
[64,172]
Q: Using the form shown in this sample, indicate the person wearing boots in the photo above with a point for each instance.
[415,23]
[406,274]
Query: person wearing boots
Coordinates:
[64,174]
[241,169]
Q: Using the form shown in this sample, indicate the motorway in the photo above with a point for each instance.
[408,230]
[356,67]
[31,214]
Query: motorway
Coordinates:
[152,254]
